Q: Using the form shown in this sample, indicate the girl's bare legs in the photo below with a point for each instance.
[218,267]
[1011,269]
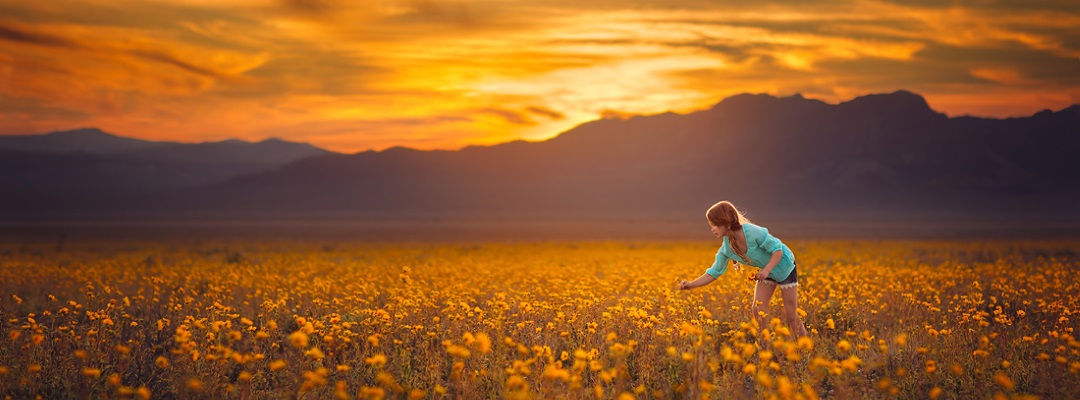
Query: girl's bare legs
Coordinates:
[791,313]
[762,293]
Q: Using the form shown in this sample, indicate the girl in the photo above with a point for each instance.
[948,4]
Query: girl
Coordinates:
[750,244]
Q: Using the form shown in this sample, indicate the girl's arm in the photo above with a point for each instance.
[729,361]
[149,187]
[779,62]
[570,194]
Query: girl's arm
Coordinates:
[718,267]
[702,280]
[771,244]
[764,273]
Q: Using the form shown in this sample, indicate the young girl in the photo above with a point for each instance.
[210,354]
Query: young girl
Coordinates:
[750,244]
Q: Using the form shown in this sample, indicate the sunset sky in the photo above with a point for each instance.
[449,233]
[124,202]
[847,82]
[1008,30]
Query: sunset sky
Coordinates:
[356,75]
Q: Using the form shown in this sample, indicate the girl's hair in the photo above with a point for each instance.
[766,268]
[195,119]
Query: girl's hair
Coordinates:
[726,215]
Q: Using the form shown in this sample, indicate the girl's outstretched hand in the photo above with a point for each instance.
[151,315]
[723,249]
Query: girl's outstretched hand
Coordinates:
[684,285]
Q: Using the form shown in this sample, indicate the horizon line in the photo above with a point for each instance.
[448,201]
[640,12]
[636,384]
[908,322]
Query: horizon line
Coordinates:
[618,116]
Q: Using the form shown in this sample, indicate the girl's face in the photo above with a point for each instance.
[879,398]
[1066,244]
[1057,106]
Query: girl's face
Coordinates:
[718,231]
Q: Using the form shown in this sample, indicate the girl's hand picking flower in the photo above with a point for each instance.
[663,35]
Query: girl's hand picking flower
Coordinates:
[684,285]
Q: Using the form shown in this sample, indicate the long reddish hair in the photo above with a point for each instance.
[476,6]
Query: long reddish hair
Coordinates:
[724,214]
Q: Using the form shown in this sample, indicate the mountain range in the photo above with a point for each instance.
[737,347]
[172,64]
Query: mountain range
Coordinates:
[882,156]
[87,170]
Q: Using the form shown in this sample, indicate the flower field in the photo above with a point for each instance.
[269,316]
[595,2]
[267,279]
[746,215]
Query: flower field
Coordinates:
[534,320]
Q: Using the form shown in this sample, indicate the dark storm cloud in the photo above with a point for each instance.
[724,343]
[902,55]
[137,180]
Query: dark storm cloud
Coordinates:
[999,5]
[311,72]
[427,11]
[15,34]
[166,58]
[178,21]
[546,112]
[512,117]
[39,108]
[910,74]
[1036,64]
[311,6]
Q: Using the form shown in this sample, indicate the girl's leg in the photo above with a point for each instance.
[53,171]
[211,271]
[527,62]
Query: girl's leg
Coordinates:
[762,293]
[791,313]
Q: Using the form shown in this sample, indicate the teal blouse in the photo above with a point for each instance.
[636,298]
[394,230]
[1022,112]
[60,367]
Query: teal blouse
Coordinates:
[760,246]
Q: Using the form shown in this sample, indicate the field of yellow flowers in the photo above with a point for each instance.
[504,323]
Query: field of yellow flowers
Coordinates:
[534,320]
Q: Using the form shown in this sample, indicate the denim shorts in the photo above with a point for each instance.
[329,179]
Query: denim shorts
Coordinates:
[791,281]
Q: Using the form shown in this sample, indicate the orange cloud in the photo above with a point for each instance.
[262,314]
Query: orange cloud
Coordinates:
[545,112]
[352,76]
[1009,76]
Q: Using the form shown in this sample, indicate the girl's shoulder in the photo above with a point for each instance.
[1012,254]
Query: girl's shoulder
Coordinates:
[755,231]
[754,228]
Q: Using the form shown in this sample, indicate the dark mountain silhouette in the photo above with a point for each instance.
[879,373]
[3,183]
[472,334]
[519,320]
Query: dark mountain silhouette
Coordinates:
[94,141]
[73,172]
[86,140]
[269,152]
[885,156]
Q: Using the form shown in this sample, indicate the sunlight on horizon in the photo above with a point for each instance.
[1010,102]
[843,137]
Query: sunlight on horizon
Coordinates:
[447,74]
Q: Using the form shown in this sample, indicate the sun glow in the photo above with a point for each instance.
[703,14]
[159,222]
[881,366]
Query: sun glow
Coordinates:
[449,74]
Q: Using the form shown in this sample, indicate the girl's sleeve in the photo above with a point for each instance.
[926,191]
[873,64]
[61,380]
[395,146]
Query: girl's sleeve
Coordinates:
[719,266]
[769,242]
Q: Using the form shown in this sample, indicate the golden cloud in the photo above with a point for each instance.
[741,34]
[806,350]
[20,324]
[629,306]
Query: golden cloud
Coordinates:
[444,74]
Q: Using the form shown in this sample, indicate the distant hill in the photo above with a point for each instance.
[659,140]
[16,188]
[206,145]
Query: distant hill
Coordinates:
[269,152]
[86,140]
[82,171]
[93,141]
[883,156]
